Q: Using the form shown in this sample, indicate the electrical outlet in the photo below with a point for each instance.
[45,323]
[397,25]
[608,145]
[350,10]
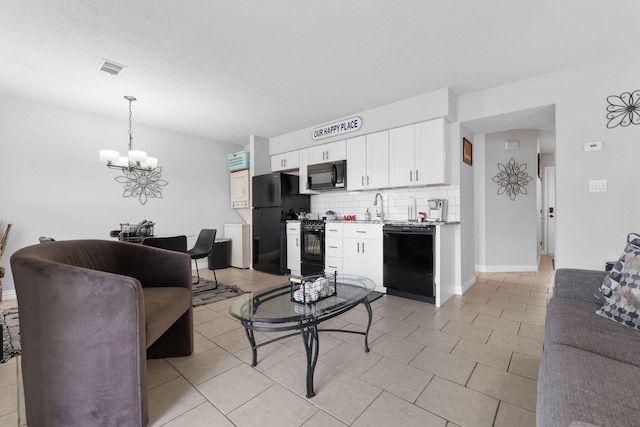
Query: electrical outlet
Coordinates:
[598,186]
[593,146]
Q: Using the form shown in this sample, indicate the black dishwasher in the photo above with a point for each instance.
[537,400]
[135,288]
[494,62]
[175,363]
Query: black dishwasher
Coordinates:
[409,257]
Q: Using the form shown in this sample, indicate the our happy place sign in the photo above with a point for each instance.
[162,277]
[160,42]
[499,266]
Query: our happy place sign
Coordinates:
[338,128]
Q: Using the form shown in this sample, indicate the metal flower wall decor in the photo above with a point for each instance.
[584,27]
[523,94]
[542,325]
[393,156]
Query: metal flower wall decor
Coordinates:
[624,109]
[512,179]
[142,184]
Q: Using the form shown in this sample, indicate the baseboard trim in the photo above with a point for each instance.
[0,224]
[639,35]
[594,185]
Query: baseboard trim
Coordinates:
[506,268]
[468,284]
[7,295]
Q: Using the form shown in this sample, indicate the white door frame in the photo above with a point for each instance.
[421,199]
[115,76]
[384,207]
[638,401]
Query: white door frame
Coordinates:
[550,212]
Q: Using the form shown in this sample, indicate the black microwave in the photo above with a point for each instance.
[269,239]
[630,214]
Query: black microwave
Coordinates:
[327,176]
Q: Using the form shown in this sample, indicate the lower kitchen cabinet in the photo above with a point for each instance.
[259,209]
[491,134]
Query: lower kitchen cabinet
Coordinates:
[293,248]
[362,252]
[333,247]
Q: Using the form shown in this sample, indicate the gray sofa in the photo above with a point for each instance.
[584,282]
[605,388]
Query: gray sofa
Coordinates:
[590,368]
[91,312]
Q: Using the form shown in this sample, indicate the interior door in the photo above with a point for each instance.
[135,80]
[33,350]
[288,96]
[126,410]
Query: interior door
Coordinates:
[550,209]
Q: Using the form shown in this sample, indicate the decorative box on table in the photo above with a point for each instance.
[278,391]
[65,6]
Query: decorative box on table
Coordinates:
[311,289]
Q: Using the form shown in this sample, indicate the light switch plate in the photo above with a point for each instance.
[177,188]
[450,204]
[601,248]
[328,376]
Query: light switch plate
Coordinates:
[593,146]
[598,186]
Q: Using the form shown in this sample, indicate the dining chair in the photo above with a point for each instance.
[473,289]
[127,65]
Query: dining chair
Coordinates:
[202,248]
[173,243]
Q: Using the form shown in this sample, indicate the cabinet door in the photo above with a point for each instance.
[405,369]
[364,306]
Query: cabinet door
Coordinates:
[318,154]
[352,256]
[373,257]
[293,253]
[293,247]
[337,151]
[277,162]
[328,152]
[377,160]
[430,152]
[285,161]
[304,173]
[401,153]
[357,163]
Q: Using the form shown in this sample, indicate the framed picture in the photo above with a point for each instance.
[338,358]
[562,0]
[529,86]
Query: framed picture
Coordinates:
[467,151]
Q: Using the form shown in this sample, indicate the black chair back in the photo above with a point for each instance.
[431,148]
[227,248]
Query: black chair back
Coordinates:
[173,243]
[204,244]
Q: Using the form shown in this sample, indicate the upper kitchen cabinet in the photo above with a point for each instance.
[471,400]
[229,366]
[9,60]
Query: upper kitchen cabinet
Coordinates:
[304,173]
[285,161]
[368,161]
[328,152]
[417,154]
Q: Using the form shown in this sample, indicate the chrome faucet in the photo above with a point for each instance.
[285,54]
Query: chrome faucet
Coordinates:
[375,203]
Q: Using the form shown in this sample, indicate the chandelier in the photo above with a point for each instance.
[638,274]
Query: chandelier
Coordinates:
[141,176]
[136,160]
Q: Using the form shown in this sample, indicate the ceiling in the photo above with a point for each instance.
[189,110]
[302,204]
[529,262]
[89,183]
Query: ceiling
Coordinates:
[227,69]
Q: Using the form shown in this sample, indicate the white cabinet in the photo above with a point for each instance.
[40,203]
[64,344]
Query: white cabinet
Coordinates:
[240,244]
[362,251]
[333,246]
[328,152]
[401,162]
[368,161]
[285,161]
[417,154]
[239,181]
[304,173]
[293,248]
[431,138]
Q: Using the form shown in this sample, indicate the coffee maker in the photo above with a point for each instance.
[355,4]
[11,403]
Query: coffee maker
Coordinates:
[437,210]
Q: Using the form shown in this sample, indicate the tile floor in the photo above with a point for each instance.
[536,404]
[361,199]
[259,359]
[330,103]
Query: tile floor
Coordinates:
[473,362]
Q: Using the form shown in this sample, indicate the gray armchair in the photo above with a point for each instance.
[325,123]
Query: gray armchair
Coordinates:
[91,312]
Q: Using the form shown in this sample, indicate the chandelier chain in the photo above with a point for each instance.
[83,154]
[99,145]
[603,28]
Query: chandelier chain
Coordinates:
[130,127]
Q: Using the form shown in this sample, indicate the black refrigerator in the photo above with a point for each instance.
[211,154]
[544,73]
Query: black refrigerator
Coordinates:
[275,199]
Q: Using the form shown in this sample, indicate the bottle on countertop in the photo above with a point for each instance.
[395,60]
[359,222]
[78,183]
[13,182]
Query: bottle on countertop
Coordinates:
[367,215]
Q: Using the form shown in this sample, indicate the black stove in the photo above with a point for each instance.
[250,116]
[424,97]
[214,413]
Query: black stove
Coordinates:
[312,248]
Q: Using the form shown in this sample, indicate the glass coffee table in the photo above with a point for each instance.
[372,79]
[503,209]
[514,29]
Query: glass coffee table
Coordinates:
[274,310]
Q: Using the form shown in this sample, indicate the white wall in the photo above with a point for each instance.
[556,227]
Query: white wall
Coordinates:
[591,227]
[432,105]
[52,182]
[510,235]
[467,211]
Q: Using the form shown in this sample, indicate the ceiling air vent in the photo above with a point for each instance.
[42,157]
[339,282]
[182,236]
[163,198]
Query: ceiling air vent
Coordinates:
[110,67]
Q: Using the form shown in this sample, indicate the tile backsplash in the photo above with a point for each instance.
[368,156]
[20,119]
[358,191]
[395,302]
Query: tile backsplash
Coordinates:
[396,202]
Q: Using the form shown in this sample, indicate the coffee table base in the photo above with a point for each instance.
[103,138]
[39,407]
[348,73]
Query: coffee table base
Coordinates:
[309,332]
